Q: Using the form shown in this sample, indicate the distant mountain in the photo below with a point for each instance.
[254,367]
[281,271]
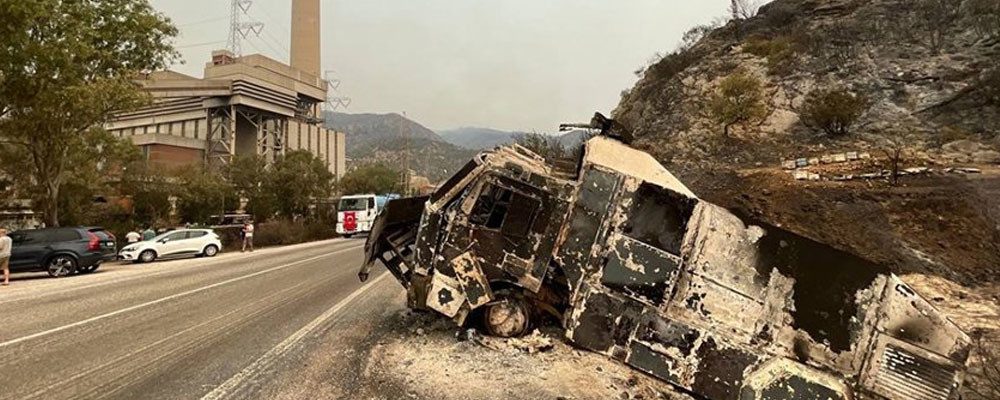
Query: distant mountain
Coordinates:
[392,139]
[479,138]
[365,129]
[437,160]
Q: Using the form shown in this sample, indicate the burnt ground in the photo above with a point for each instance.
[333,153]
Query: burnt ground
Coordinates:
[433,359]
[378,349]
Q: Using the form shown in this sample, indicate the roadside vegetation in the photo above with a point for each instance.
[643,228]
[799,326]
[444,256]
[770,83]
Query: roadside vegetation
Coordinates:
[65,67]
[375,178]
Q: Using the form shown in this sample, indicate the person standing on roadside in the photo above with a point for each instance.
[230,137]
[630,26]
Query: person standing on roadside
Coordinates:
[248,236]
[5,245]
[148,234]
[133,236]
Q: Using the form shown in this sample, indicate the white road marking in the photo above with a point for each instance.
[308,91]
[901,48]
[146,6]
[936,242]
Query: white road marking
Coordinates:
[260,364]
[165,299]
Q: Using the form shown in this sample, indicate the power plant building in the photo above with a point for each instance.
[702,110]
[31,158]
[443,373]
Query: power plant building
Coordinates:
[243,105]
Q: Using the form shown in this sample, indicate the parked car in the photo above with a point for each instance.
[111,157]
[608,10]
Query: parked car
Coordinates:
[61,251]
[181,242]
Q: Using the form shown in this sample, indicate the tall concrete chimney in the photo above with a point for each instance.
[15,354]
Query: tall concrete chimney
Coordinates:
[305,36]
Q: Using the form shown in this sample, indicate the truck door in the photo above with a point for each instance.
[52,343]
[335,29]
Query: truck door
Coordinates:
[510,228]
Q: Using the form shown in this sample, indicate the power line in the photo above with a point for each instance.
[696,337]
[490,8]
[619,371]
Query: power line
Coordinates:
[276,51]
[280,26]
[204,21]
[238,29]
[199,44]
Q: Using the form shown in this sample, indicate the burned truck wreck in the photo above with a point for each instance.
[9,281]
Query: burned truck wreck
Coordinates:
[636,267]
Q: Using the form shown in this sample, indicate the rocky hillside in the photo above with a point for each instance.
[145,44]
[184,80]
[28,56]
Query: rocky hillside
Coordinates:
[803,78]
[390,139]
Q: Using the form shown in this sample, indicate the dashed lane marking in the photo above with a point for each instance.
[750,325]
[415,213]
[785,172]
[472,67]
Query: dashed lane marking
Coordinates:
[261,364]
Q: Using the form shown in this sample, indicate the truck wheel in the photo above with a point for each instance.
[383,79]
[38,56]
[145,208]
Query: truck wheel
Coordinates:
[60,266]
[507,317]
[348,235]
[147,256]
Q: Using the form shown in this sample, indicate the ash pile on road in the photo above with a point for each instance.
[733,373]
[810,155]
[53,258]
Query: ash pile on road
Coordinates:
[431,358]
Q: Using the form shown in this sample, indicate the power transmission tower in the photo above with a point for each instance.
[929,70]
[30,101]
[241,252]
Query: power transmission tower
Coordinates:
[333,101]
[239,29]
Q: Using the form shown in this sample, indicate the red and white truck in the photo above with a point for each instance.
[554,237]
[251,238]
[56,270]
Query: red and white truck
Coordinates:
[356,213]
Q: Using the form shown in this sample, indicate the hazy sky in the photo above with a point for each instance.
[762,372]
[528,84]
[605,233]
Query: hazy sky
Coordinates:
[505,64]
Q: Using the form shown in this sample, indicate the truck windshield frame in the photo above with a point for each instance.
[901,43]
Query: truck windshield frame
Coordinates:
[354,204]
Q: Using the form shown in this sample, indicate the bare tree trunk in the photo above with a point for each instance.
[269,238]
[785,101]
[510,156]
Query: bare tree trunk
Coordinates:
[52,205]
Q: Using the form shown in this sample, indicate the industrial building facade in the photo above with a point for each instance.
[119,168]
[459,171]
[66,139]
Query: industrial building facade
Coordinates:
[243,106]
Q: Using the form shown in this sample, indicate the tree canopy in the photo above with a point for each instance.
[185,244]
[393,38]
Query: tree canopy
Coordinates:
[833,111]
[296,180]
[65,68]
[370,178]
[738,102]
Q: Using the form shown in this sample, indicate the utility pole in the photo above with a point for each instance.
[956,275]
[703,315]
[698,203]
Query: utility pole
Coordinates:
[238,29]
[406,156]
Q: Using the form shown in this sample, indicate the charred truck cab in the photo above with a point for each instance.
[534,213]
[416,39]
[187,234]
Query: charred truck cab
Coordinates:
[641,270]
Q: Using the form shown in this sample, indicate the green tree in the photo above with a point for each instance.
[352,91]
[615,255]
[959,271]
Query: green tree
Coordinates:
[548,147]
[202,192]
[148,186]
[296,181]
[738,102]
[65,68]
[370,178]
[248,177]
[833,111]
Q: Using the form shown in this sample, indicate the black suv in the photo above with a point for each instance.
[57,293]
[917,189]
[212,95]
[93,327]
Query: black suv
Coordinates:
[61,251]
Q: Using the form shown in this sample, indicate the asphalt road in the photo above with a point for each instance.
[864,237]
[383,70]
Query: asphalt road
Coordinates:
[233,326]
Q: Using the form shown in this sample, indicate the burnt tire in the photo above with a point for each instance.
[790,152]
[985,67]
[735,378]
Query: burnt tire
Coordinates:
[210,251]
[60,266]
[507,317]
[147,256]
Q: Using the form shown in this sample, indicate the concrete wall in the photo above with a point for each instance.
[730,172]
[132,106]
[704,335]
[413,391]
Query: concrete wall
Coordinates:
[326,144]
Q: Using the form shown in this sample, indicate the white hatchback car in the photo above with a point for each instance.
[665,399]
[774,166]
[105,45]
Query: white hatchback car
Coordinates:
[181,242]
